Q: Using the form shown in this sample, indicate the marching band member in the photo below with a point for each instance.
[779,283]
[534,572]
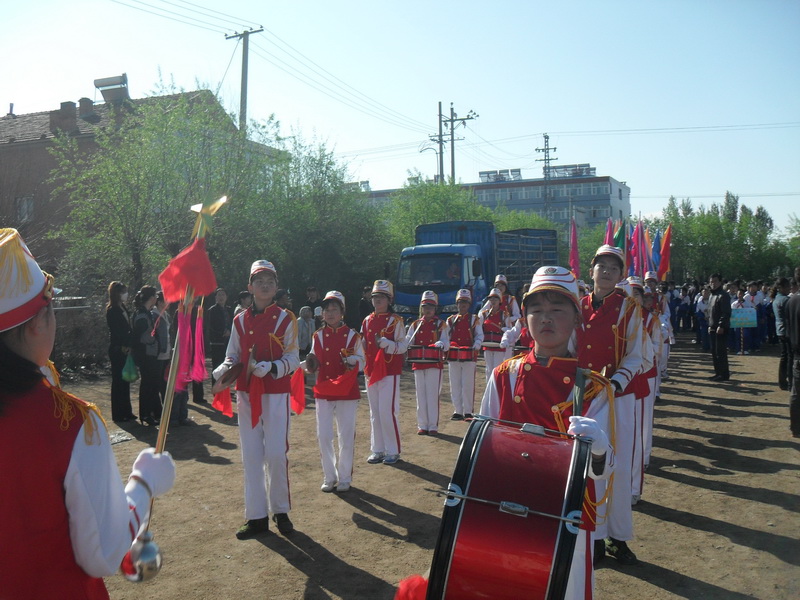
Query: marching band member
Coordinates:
[508,302]
[462,330]
[537,388]
[384,334]
[427,331]
[68,521]
[611,340]
[338,355]
[266,335]
[494,321]
[652,325]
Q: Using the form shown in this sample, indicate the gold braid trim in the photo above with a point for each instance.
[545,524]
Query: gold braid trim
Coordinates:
[66,407]
[280,339]
[54,372]
[15,276]
[509,363]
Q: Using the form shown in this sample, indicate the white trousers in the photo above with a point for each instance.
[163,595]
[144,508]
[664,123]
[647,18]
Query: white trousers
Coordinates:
[493,359]
[663,360]
[637,460]
[619,512]
[343,414]
[462,386]
[429,385]
[264,455]
[649,418]
[581,568]
[384,406]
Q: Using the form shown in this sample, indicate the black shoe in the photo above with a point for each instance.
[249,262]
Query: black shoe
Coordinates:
[200,401]
[728,378]
[467,416]
[619,550]
[151,421]
[252,528]
[714,378]
[457,417]
[284,524]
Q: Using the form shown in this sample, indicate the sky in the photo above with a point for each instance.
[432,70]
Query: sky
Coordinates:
[684,98]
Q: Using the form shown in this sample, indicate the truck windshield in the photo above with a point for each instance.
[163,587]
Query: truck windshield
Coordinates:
[435,272]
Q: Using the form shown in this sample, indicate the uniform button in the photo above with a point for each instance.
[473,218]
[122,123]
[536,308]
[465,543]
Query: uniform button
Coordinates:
[589,365]
[517,399]
[608,366]
[567,380]
[274,316]
[327,349]
[327,363]
[588,346]
[609,347]
[555,408]
[588,326]
[327,335]
[251,333]
[527,367]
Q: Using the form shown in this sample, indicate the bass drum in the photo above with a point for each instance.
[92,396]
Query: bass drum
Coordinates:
[493,542]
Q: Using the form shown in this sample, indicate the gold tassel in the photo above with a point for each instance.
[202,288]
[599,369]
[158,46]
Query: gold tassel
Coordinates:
[66,407]
[15,276]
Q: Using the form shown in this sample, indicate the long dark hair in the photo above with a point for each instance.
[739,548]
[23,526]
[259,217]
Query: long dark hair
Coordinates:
[17,374]
[143,295]
[115,291]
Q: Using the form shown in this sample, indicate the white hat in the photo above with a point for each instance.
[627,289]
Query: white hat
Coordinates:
[429,297]
[496,293]
[317,311]
[554,279]
[625,287]
[636,282]
[24,287]
[607,250]
[262,265]
[651,275]
[501,279]
[334,295]
[381,286]
[463,294]
[647,291]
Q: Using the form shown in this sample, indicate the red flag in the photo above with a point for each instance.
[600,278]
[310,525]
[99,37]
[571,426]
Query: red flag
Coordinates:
[339,387]
[191,268]
[222,402]
[609,239]
[256,389]
[298,394]
[412,588]
[664,266]
[378,370]
[574,260]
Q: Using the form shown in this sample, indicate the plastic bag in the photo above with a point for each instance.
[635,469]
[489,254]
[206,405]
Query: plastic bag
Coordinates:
[129,372]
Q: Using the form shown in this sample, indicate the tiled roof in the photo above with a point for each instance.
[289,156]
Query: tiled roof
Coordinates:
[36,126]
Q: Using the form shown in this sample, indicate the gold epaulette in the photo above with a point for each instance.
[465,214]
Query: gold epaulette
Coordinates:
[66,407]
[509,363]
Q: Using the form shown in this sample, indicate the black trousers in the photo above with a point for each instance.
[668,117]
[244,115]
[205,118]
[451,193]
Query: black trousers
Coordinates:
[719,354]
[785,364]
[120,389]
[794,401]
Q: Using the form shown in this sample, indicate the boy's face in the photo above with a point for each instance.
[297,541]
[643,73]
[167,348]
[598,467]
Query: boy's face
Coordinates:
[263,287]
[463,307]
[606,273]
[647,301]
[494,301]
[551,320]
[637,294]
[381,303]
[332,314]
[753,289]
[428,310]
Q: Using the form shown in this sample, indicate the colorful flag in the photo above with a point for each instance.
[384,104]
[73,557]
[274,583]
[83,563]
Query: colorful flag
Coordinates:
[297,395]
[609,239]
[656,250]
[339,387]
[191,268]
[664,266]
[574,260]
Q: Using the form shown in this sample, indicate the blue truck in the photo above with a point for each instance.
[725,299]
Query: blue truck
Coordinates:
[452,255]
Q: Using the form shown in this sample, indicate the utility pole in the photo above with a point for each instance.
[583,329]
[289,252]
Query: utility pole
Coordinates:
[245,35]
[452,122]
[547,175]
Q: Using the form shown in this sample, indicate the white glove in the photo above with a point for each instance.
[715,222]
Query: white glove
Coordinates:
[156,470]
[262,368]
[439,345]
[503,344]
[384,343]
[589,429]
[223,368]
[476,346]
[351,360]
[504,329]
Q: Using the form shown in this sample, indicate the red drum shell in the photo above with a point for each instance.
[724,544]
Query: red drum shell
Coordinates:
[493,337]
[425,354]
[462,354]
[484,553]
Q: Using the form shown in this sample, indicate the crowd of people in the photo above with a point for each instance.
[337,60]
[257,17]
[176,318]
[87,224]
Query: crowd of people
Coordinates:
[614,332]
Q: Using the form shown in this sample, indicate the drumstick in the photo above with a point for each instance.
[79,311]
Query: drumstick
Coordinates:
[579,391]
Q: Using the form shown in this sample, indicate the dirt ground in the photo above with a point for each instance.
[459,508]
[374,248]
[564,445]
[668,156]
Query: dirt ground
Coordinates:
[718,518]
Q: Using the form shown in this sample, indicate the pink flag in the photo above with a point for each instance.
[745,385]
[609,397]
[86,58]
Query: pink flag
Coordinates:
[609,240]
[574,260]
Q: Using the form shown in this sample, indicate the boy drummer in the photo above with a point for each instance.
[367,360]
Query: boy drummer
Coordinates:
[462,330]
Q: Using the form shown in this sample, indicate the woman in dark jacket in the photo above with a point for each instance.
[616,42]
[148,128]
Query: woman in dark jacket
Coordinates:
[145,353]
[119,329]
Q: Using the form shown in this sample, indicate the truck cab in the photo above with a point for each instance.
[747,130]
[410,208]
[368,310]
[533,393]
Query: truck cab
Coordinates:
[443,268]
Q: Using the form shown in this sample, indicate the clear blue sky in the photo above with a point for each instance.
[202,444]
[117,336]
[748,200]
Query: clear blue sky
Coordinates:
[686,98]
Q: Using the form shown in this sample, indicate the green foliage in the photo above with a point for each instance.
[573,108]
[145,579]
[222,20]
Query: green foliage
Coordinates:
[729,238]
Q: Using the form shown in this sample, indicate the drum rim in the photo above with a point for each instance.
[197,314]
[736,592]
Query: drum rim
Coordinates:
[564,546]
[451,519]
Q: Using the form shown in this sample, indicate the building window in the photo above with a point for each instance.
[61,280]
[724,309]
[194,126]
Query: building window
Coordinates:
[24,207]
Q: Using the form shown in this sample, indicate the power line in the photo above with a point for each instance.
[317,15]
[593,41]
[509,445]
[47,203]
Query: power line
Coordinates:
[205,25]
[227,17]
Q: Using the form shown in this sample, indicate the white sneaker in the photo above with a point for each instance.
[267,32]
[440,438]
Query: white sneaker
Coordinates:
[343,487]
[375,458]
[635,499]
[328,487]
[391,459]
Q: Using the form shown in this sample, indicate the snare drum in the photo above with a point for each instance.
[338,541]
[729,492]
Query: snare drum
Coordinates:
[509,525]
[425,354]
[462,354]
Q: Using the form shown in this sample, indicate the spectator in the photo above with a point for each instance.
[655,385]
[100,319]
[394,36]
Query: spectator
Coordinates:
[719,322]
[119,328]
[283,299]
[701,316]
[145,353]
[365,303]
[245,300]
[305,330]
[218,328]
[780,298]
[791,322]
